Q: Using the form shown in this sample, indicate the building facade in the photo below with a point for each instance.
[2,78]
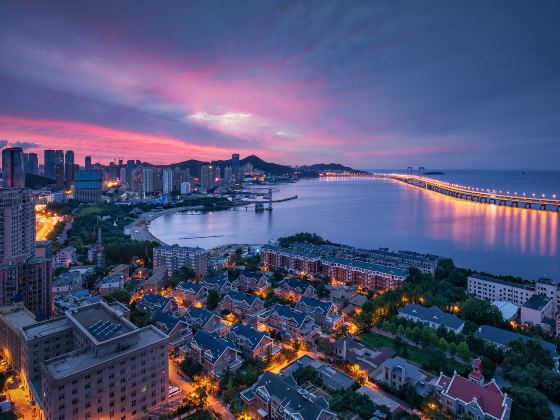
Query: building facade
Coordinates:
[175,257]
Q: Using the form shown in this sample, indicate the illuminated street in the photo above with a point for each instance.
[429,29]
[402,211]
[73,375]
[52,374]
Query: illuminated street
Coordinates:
[46,221]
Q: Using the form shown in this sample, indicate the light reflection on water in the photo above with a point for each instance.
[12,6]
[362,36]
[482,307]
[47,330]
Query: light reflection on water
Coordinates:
[369,213]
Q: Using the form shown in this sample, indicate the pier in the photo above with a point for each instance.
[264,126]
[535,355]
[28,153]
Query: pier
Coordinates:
[467,193]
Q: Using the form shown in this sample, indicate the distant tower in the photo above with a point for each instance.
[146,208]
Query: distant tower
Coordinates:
[88,163]
[235,165]
[97,252]
[13,172]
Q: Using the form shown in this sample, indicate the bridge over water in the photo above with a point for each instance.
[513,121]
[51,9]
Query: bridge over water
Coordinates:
[463,192]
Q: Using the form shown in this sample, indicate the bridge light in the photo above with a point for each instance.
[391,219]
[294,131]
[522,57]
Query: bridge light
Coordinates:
[553,195]
[523,194]
[533,194]
[544,196]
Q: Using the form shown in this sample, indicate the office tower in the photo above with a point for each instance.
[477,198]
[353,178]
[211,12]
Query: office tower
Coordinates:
[217,174]
[235,164]
[167,181]
[206,177]
[158,180]
[17,225]
[147,180]
[87,186]
[87,165]
[185,187]
[33,163]
[13,172]
[228,175]
[59,176]
[174,257]
[50,163]
[25,163]
[69,168]
[102,367]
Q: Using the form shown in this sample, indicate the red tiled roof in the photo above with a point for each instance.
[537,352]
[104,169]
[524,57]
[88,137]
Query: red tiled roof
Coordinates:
[443,381]
[489,396]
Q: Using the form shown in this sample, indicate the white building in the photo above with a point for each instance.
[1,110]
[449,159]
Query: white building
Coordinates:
[185,187]
[167,181]
[148,180]
[175,257]
[66,256]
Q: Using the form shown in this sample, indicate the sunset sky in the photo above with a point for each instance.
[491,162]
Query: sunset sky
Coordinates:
[370,84]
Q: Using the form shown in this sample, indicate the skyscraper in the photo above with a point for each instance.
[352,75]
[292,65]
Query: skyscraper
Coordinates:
[17,225]
[69,168]
[235,164]
[88,163]
[59,176]
[13,172]
[148,180]
[206,177]
[33,163]
[228,175]
[167,181]
[50,163]
[87,186]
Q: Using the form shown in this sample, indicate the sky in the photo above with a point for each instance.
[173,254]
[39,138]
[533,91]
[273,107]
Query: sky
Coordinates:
[369,84]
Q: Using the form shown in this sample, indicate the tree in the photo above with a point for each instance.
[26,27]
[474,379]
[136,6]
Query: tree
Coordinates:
[229,391]
[528,403]
[190,367]
[442,344]
[212,300]
[463,351]
[122,296]
[307,374]
[481,312]
[457,277]
[488,367]
[414,276]
[325,346]
[452,348]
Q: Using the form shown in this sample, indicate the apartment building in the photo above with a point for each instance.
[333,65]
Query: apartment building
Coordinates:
[288,323]
[291,260]
[253,283]
[294,289]
[252,343]
[174,257]
[325,313]
[115,370]
[12,319]
[189,293]
[241,304]
[214,353]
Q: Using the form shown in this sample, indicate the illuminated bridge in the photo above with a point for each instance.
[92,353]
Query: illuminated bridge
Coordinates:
[463,192]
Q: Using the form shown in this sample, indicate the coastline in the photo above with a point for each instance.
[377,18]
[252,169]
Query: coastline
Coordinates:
[139,231]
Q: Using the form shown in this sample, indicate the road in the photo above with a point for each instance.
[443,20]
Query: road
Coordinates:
[45,225]
[215,404]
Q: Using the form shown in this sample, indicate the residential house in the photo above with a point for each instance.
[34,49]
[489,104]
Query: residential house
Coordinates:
[277,397]
[351,351]
[173,326]
[252,343]
[258,283]
[66,256]
[501,339]
[325,313]
[433,317]
[203,319]
[213,352]
[539,310]
[463,396]
[289,323]
[398,372]
[154,283]
[110,283]
[152,303]
[218,283]
[191,294]
[332,378]
[293,289]
[241,304]
[67,282]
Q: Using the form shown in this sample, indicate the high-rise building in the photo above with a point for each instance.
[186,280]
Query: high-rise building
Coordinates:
[167,181]
[87,163]
[122,175]
[130,165]
[185,187]
[13,172]
[228,175]
[87,186]
[235,166]
[59,176]
[148,180]
[69,168]
[33,163]
[174,257]
[50,163]
[206,177]
[137,179]
[17,225]
[102,367]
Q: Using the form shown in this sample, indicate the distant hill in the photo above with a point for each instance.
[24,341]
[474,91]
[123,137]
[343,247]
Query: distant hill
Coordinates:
[260,164]
[37,182]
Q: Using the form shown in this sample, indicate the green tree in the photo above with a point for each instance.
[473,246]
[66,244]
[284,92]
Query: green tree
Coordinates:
[528,403]
[463,351]
[212,300]
[452,348]
[488,367]
[442,344]
[481,312]
[122,296]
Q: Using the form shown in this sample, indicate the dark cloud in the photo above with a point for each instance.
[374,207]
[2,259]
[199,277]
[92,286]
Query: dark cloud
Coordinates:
[388,78]
[25,144]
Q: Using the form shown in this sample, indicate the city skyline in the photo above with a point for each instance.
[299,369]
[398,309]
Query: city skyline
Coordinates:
[369,86]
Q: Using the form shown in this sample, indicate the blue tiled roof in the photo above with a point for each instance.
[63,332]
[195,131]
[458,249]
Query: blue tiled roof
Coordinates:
[189,286]
[504,337]
[316,303]
[167,319]
[238,296]
[286,312]
[199,313]
[154,299]
[432,314]
[251,334]
[212,343]
[215,280]
[295,283]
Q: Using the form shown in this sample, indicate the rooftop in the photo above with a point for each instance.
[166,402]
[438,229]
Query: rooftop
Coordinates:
[101,322]
[504,337]
[76,362]
[537,302]
[432,314]
[49,327]
[17,316]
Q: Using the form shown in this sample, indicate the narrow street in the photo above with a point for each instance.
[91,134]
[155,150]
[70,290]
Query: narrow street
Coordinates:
[176,377]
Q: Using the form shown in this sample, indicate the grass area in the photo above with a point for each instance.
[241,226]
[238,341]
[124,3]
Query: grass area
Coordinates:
[412,353]
[89,210]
